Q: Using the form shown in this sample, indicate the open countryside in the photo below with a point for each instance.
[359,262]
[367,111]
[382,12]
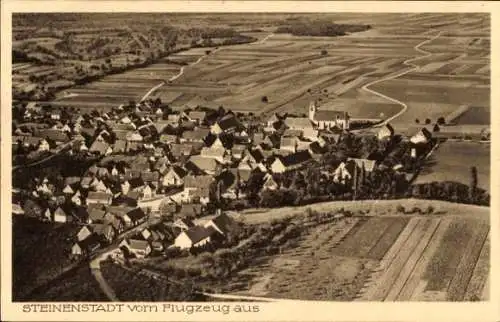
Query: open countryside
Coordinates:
[200,157]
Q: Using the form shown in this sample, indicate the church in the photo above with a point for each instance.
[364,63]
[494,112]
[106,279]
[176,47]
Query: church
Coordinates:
[328,119]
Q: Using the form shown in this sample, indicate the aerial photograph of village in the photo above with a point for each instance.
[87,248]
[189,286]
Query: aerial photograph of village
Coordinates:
[250,157]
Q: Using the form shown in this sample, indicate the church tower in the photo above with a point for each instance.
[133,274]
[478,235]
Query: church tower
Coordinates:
[312,110]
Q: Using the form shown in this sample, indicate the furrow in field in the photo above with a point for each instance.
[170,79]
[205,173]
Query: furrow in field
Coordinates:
[376,283]
[415,284]
[480,274]
[394,270]
[458,285]
[409,266]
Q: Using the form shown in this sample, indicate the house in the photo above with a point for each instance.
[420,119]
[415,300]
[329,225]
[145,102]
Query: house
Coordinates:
[227,124]
[85,246]
[216,153]
[83,233]
[197,116]
[386,132]
[190,210]
[344,172]
[196,135]
[298,123]
[290,162]
[168,138]
[269,182]
[196,236]
[105,231]
[137,216]
[43,145]
[120,146]
[55,135]
[140,248]
[198,187]
[183,224]
[292,133]
[179,150]
[252,158]
[200,164]
[289,144]
[174,177]
[327,119]
[134,137]
[61,216]
[99,197]
[369,165]
[96,215]
[238,151]
[423,136]
[100,147]
[221,223]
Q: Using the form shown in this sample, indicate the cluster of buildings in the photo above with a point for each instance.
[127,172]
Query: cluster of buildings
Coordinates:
[169,163]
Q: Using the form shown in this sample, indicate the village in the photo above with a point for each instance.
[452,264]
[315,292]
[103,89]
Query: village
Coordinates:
[156,170]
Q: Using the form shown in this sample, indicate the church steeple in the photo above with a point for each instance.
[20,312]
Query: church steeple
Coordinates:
[312,110]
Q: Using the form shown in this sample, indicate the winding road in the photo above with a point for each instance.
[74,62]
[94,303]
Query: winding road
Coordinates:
[181,71]
[407,62]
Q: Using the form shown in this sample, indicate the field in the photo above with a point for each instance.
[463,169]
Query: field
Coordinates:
[446,166]
[291,71]
[380,258]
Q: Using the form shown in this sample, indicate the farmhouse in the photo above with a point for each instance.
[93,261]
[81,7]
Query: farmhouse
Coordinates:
[386,132]
[423,136]
[328,119]
[290,162]
[222,224]
[196,236]
[174,177]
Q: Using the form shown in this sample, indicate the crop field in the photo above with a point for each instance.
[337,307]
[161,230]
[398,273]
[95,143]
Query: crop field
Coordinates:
[446,166]
[380,258]
[291,71]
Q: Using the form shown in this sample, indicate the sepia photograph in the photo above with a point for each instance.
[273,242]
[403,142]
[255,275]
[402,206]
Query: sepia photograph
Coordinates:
[249,157]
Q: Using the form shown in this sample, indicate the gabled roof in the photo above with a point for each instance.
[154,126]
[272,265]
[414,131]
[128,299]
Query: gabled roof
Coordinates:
[198,134]
[298,122]
[54,135]
[96,214]
[369,164]
[179,171]
[181,149]
[328,116]
[292,133]
[203,181]
[190,209]
[288,142]
[150,176]
[197,115]
[136,214]
[136,182]
[296,158]
[97,195]
[138,244]
[198,233]
[214,152]
[99,146]
[223,222]
[229,121]
[168,138]
[119,146]
[204,164]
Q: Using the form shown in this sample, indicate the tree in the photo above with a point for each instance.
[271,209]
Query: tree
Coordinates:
[355,183]
[427,121]
[473,184]
[441,120]
[324,52]
[417,121]
[264,99]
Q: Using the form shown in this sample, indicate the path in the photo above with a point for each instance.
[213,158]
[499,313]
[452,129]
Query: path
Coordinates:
[407,62]
[181,71]
[103,254]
